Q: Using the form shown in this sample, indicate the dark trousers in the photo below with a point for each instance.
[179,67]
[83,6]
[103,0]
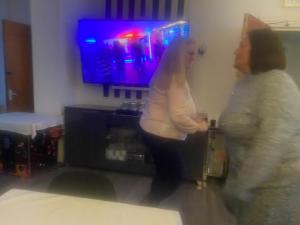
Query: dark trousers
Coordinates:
[167,158]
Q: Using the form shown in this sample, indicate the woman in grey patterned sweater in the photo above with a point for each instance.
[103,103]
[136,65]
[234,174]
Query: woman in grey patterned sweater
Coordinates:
[262,133]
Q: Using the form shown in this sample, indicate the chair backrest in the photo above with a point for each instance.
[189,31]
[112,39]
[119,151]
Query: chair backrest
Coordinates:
[83,184]
[2,108]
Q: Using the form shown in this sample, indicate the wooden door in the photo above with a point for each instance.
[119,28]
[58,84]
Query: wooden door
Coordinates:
[18,66]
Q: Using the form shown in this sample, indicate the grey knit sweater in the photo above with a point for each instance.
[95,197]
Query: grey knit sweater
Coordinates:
[262,133]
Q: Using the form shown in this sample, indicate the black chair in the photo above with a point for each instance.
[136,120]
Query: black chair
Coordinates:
[83,184]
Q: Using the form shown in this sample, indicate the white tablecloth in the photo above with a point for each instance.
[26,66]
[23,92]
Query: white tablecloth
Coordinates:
[20,207]
[27,123]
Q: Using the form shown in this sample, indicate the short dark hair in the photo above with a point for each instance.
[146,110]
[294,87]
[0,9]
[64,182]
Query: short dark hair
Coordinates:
[267,52]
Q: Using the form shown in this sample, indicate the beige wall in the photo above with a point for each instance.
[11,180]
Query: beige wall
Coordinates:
[291,42]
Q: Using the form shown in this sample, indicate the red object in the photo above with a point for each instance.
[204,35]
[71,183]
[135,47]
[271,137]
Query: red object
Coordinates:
[55,132]
[22,171]
[134,34]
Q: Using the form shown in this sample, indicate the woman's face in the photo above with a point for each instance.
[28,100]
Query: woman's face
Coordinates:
[242,56]
[190,53]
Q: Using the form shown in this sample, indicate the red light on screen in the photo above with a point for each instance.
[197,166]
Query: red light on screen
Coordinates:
[130,35]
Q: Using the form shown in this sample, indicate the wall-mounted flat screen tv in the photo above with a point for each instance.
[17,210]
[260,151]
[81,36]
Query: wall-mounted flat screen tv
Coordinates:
[125,53]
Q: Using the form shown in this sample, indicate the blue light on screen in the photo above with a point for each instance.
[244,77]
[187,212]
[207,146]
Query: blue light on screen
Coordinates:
[90,40]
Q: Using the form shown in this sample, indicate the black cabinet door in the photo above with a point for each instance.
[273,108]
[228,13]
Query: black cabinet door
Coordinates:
[90,132]
[85,136]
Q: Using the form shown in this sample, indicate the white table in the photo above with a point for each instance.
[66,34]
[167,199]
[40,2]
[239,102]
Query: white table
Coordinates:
[20,207]
[28,124]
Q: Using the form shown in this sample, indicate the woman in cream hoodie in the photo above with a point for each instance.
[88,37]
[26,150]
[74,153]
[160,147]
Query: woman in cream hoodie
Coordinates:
[169,115]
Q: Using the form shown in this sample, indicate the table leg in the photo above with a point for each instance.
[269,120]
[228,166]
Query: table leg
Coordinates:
[28,143]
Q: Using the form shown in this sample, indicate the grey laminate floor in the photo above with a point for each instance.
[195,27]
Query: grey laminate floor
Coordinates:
[197,207]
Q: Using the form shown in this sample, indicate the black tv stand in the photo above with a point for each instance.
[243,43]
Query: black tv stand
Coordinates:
[107,138]
[127,112]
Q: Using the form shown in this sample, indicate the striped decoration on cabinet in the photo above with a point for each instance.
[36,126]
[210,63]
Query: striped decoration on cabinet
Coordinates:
[145,9]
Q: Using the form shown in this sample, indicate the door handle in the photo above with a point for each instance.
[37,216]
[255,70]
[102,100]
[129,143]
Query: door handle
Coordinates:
[8,73]
[11,94]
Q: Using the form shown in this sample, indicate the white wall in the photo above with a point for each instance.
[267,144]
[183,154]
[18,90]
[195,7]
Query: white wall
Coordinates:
[84,93]
[56,56]
[19,11]
[57,73]
[52,84]
[291,42]
[218,24]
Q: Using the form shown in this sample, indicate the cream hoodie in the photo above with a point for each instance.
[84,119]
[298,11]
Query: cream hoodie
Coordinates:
[169,112]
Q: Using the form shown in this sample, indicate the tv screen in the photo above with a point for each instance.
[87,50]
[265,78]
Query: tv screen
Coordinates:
[125,53]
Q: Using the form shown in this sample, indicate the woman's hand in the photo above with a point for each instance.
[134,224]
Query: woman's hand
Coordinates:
[202,125]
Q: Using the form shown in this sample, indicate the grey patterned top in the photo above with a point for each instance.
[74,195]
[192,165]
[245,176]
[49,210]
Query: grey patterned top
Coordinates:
[262,133]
